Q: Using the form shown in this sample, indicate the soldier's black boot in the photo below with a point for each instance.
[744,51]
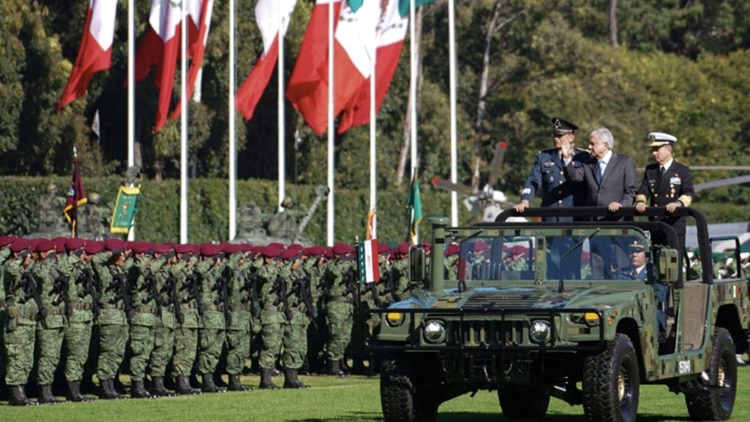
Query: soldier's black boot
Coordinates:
[183,386]
[235,384]
[18,396]
[74,392]
[208,385]
[159,389]
[138,390]
[45,395]
[108,391]
[266,381]
[334,368]
[291,380]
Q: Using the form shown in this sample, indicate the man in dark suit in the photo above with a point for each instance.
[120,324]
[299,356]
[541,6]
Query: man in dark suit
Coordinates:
[666,183]
[610,178]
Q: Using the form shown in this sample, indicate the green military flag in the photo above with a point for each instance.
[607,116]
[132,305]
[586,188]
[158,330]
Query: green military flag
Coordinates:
[414,203]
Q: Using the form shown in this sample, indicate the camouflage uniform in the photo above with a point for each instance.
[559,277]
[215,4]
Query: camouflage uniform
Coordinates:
[19,332]
[142,284]
[4,254]
[213,324]
[112,321]
[317,332]
[165,317]
[186,329]
[238,268]
[77,334]
[52,286]
[294,334]
[340,279]
[271,315]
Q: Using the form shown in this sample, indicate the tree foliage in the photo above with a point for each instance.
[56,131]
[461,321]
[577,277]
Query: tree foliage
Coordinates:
[677,68]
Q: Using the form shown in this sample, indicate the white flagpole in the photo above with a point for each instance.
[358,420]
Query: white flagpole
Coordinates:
[414,63]
[232,131]
[452,67]
[183,128]
[331,144]
[373,141]
[131,95]
[280,105]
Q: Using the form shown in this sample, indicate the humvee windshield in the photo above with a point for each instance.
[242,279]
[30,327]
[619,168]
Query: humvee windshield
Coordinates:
[590,255]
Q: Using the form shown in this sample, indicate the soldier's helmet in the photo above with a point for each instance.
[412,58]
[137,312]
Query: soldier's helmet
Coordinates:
[288,202]
[51,188]
[94,198]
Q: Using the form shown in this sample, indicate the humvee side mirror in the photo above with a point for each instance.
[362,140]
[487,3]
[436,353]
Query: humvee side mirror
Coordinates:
[417,264]
[666,265]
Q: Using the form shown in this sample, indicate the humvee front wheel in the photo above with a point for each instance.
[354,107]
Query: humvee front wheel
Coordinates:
[722,374]
[402,397]
[611,382]
[520,404]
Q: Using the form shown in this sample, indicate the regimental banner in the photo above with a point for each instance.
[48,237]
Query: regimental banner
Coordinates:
[123,215]
[367,261]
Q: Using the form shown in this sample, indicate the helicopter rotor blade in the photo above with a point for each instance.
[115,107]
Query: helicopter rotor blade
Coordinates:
[497,162]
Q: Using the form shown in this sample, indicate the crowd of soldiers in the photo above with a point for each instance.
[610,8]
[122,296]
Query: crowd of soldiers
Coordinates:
[175,317]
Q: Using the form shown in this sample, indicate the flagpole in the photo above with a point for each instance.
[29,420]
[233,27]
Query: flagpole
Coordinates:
[452,67]
[131,96]
[373,141]
[183,128]
[280,107]
[232,131]
[331,146]
[413,92]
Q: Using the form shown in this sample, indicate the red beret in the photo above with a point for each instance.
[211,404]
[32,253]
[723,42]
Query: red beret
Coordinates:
[140,247]
[74,243]
[518,250]
[93,247]
[44,245]
[452,250]
[276,245]
[291,254]
[114,244]
[59,244]
[295,247]
[316,250]
[161,247]
[383,249]
[341,248]
[209,249]
[329,252]
[271,251]
[231,248]
[183,248]
[19,245]
[403,248]
[480,246]
[6,240]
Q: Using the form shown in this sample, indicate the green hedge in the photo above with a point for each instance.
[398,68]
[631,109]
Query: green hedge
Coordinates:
[158,216]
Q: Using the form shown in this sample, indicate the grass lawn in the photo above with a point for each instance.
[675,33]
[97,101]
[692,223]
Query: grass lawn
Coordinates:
[334,399]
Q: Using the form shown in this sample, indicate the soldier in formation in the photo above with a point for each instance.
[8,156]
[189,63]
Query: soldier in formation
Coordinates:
[146,307]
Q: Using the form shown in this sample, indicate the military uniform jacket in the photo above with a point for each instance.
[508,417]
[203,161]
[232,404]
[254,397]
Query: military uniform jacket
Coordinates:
[22,310]
[676,184]
[548,175]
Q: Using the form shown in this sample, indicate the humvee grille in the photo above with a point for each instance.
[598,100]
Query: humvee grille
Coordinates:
[504,300]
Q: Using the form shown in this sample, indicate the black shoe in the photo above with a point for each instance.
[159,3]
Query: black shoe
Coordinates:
[266,383]
[45,395]
[158,388]
[208,385]
[236,385]
[183,386]
[18,396]
[291,380]
[74,392]
[138,391]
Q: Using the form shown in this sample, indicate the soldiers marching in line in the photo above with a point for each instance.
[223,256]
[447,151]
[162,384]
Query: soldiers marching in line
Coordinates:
[168,312]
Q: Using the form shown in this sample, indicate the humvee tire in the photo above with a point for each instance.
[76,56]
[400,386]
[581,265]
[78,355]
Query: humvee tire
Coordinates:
[521,404]
[611,382]
[402,398]
[722,373]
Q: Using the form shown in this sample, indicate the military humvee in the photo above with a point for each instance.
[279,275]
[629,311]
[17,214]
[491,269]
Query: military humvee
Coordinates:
[564,323]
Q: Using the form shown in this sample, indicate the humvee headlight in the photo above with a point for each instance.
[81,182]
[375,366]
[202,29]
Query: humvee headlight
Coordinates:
[394,319]
[540,331]
[434,332]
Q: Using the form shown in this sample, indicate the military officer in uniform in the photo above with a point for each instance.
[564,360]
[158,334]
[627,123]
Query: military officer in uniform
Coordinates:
[666,183]
[547,173]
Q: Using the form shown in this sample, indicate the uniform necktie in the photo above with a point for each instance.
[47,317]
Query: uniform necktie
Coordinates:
[602,165]
[661,169]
